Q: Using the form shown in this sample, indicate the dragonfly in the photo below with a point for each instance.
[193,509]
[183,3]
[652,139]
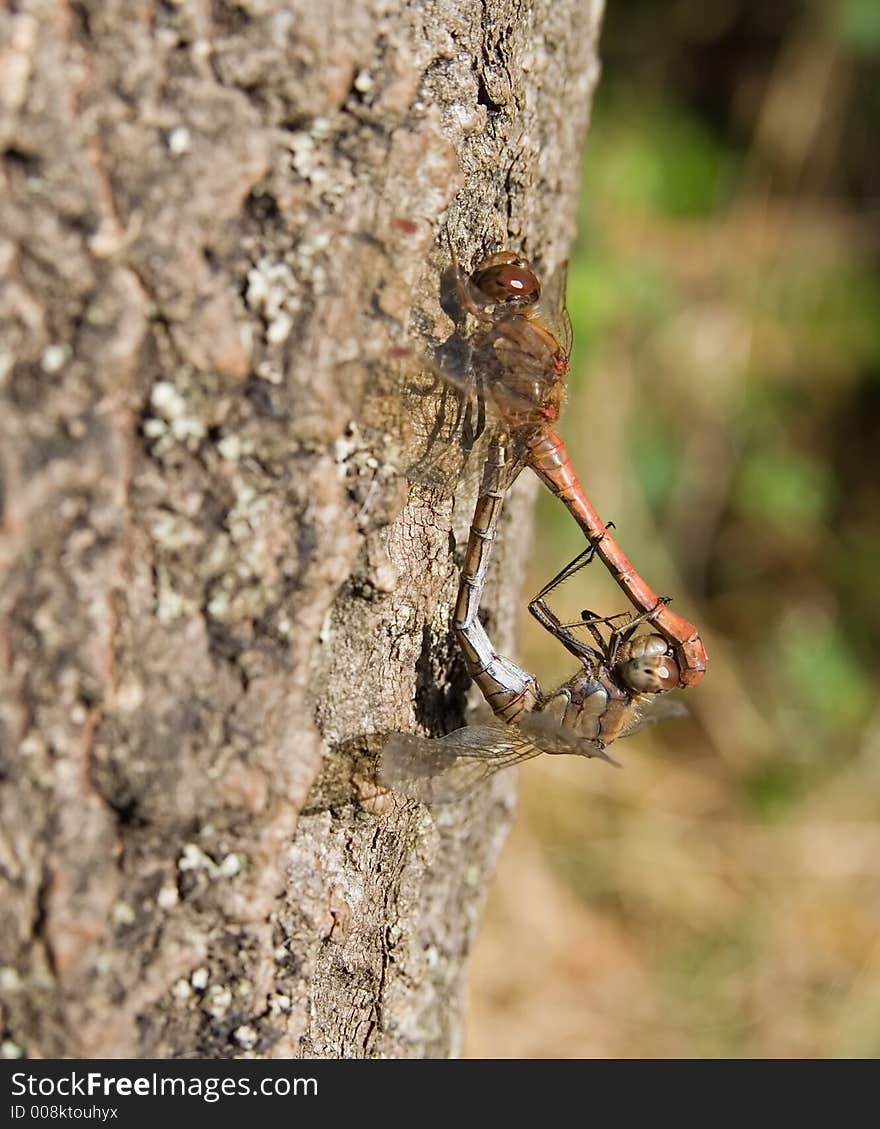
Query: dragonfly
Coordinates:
[616,691]
[519,361]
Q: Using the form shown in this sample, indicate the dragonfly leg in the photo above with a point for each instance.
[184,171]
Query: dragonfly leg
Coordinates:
[549,460]
[472,429]
[560,631]
[508,689]
[619,633]
[583,558]
[591,621]
[580,561]
[539,608]
[624,632]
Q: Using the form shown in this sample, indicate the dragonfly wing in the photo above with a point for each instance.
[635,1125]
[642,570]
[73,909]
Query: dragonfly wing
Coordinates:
[658,708]
[552,306]
[417,424]
[448,768]
[428,422]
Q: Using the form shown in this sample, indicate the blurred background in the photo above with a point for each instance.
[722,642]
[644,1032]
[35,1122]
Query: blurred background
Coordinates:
[721,894]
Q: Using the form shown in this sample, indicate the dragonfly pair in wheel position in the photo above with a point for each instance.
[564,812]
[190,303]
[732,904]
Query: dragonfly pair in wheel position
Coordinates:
[518,367]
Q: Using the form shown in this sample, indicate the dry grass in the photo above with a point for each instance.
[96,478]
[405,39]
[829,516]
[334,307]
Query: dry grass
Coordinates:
[636,913]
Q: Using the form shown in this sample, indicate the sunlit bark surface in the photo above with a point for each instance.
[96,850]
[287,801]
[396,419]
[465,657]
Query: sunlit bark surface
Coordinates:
[216,222]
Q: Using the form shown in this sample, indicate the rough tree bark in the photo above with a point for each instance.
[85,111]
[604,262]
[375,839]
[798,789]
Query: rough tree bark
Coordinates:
[216,220]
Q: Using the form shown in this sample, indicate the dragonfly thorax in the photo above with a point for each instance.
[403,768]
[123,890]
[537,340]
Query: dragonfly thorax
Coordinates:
[595,706]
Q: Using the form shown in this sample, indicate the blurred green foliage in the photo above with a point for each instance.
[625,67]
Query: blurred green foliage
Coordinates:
[860,26]
[654,160]
[753,314]
[725,412]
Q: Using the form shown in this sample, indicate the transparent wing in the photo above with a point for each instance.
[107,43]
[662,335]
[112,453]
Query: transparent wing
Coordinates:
[417,423]
[417,420]
[552,306]
[659,707]
[448,768]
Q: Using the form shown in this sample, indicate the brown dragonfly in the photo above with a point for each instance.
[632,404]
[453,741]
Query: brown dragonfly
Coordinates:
[614,694]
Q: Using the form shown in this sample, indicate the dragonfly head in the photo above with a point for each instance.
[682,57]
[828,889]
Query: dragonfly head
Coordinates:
[650,672]
[505,279]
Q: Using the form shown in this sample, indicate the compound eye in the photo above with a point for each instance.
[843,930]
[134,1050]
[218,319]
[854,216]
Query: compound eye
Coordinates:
[520,284]
[508,283]
[651,674]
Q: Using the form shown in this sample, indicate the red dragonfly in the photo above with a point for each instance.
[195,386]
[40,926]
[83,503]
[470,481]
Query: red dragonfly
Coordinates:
[519,356]
[518,366]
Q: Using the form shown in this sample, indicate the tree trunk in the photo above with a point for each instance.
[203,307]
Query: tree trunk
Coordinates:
[217,220]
